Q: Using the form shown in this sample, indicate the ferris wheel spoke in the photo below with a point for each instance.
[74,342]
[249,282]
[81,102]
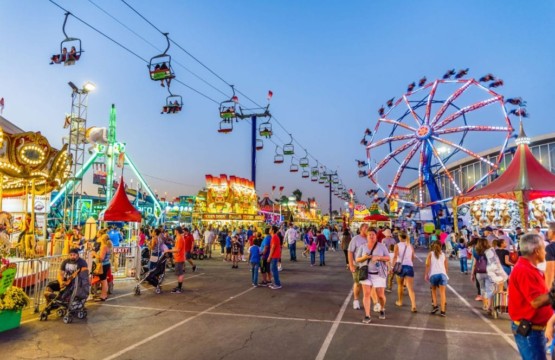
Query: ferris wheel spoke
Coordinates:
[398,123]
[466,109]
[438,157]
[392,154]
[429,103]
[450,100]
[391,138]
[413,113]
[471,128]
[421,175]
[397,177]
[465,150]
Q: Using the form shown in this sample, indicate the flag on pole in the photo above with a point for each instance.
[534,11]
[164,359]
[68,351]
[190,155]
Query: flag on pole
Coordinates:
[1,105]
[281,189]
[273,188]
[270,94]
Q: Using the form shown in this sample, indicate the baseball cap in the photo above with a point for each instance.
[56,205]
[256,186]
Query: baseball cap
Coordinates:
[487,228]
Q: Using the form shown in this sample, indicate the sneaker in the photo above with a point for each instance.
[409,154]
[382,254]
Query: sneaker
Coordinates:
[194,268]
[263,283]
[434,309]
[367,320]
[377,307]
[176,290]
[442,313]
[387,290]
[356,305]
[254,285]
[382,315]
[275,287]
[478,298]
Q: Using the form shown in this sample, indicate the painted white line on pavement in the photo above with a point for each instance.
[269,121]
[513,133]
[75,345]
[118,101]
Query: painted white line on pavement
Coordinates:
[331,333]
[268,317]
[151,288]
[160,333]
[508,338]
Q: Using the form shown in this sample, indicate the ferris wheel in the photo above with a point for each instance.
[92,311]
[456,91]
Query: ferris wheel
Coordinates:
[420,135]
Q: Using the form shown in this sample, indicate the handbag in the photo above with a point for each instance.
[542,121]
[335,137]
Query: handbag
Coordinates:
[398,267]
[363,270]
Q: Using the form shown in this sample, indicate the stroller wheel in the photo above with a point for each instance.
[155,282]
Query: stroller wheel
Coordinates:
[158,290]
[43,317]
[60,312]
[137,290]
[82,314]
[68,319]
[201,257]
[194,256]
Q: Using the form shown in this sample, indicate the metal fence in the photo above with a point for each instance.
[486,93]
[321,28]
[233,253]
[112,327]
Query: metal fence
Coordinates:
[33,275]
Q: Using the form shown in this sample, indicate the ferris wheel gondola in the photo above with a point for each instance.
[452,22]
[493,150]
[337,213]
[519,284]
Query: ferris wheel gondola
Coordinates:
[65,56]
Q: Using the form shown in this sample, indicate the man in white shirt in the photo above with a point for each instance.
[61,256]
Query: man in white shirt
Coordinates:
[354,245]
[291,236]
[208,241]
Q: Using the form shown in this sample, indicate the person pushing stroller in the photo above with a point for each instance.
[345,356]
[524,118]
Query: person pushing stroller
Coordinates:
[69,269]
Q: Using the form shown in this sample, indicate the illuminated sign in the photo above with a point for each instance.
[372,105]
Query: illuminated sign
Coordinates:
[241,217]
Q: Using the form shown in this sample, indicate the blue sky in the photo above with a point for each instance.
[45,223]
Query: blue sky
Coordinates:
[330,64]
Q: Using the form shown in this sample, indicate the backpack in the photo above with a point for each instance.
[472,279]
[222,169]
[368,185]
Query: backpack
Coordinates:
[481,264]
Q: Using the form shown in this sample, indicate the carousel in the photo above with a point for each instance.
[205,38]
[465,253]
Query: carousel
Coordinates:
[30,169]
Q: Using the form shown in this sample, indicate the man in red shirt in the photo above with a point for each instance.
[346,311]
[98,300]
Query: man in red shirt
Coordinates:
[189,241]
[530,308]
[179,258]
[274,256]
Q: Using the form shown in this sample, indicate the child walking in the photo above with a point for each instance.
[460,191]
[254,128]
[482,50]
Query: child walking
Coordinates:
[313,246]
[235,247]
[254,259]
[463,256]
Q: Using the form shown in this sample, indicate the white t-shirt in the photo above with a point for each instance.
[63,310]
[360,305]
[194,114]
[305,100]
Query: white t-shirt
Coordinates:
[209,237]
[291,236]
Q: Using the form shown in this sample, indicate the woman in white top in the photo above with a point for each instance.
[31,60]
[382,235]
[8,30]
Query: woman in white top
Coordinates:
[404,253]
[436,273]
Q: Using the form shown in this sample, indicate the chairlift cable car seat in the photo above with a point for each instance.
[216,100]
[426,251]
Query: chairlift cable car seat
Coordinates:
[160,67]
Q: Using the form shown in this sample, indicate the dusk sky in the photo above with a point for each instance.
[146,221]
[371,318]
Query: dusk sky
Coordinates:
[330,65]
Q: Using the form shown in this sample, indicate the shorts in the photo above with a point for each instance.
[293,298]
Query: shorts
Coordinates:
[188,255]
[487,287]
[265,268]
[374,280]
[438,280]
[228,250]
[355,276]
[406,271]
[235,253]
[105,269]
[179,268]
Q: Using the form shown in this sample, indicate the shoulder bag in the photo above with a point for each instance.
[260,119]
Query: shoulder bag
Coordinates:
[398,267]
[363,270]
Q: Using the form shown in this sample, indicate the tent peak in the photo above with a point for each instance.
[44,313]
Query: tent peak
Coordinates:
[522,138]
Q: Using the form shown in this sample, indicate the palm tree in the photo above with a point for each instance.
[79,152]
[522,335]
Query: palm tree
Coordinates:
[298,194]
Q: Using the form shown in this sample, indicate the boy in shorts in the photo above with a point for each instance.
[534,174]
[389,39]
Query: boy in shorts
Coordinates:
[235,249]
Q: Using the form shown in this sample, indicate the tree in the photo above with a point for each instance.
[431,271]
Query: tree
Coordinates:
[298,194]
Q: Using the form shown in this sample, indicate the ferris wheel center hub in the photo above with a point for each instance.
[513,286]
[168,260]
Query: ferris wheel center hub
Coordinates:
[424,132]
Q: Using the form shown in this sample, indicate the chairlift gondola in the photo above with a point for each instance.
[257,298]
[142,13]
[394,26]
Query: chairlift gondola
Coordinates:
[74,44]
[174,104]
[321,180]
[304,162]
[293,167]
[305,174]
[226,126]
[278,158]
[160,66]
[265,129]
[314,178]
[228,107]
[259,144]
[289,148]
[335,179]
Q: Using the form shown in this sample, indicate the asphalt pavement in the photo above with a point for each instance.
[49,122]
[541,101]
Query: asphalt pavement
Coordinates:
[220,315]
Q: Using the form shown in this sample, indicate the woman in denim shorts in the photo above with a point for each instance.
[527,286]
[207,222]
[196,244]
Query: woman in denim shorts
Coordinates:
[404,253]
[436,273]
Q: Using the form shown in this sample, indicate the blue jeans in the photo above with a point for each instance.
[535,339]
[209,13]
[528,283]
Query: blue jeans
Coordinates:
[293,251]
[464,264]
[507,269]
[322,255]
[275,272]
[312,257]
[531,347]
[254,274]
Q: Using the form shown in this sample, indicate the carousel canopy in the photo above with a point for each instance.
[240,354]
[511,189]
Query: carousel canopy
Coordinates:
[376,217]
[120,208]
[524,180]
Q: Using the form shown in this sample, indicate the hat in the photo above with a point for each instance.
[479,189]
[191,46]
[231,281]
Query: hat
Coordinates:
[487,228]
[387,233]
[74,251]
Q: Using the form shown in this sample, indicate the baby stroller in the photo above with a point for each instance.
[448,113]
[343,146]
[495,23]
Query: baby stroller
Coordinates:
[70,301]
[95,281]
[145,259]
[154,277]
[197,253]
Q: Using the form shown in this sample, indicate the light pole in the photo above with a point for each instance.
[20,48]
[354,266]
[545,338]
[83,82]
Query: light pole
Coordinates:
[331,180]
